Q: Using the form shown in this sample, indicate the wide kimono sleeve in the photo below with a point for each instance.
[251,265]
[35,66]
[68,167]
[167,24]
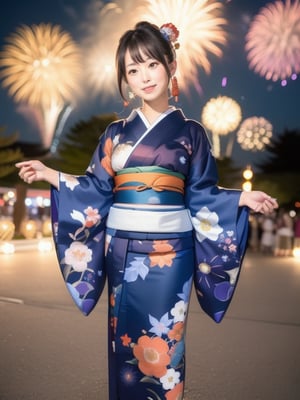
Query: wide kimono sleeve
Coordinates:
[220,229]
[79,209]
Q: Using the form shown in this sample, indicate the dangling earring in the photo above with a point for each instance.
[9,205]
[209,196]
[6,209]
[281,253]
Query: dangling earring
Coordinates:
[131,96]
[174,88]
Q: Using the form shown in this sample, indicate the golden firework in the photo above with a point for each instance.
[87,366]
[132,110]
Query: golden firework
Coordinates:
[40,65]
[201,26]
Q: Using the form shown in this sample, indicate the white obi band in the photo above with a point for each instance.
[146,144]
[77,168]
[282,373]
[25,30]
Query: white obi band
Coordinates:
[127,219]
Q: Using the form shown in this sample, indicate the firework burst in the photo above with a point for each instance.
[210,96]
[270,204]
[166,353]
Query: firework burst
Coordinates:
[41,65]
[41,69]
[254,133]
[221,115]
[202,34]
[272,42]
[105,25]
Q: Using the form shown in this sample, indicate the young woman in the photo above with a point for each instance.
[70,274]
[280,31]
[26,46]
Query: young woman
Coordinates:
[148,214]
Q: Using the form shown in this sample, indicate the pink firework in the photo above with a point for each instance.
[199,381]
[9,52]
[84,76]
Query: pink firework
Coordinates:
[273,40]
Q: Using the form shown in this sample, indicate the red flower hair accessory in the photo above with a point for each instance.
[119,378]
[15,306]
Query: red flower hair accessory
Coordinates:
[170,33]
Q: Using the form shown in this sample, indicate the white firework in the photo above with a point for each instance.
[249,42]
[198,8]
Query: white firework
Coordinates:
[106,22]
[202,33]
[254,133]
[273,40]
[221,115]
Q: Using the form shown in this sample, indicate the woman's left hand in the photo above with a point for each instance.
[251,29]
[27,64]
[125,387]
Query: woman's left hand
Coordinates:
[258,201]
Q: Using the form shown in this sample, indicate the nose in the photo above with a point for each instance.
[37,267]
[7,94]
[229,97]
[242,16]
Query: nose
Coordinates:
[145,75]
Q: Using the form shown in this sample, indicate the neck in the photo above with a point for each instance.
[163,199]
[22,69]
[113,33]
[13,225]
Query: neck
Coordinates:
[153,111]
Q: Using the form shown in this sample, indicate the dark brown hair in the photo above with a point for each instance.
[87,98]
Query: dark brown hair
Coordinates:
[146,38]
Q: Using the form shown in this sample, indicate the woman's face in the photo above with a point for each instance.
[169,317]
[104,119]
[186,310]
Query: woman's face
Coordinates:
[149,79]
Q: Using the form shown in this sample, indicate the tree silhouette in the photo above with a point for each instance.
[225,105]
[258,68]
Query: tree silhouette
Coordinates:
[229,175]
[8,155]
[77,146]
[283,153]
[280,171]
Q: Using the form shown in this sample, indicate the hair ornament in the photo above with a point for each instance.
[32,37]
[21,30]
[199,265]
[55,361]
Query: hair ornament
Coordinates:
[170,33]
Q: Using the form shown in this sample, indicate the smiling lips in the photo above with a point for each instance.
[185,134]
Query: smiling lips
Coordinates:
[149,89]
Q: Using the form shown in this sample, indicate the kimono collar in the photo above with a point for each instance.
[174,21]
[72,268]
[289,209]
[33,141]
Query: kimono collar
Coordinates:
[138,111]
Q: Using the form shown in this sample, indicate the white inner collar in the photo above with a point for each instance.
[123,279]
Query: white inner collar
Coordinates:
[162,115]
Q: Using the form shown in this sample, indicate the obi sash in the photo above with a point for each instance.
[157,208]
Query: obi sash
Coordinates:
[149,185]
[149,199]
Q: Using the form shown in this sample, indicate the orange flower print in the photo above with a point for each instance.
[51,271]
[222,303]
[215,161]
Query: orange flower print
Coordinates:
[162,246]
[126,340]
[112,300]
[163,254]
[176,393]
[177,332]
[106,160]
[152,355]
[92,216]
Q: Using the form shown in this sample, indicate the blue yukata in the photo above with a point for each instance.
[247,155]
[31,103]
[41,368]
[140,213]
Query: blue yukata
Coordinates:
[149,218]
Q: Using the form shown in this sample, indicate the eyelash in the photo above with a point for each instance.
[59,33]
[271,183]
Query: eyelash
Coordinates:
[152,64]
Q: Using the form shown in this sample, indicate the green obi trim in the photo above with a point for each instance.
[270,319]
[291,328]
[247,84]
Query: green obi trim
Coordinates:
[150,169]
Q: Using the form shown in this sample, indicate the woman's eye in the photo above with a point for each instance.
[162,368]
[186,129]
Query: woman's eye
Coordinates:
[131,72]
[153,64]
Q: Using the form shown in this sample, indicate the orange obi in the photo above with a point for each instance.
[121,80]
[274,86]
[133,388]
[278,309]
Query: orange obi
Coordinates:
[157,181]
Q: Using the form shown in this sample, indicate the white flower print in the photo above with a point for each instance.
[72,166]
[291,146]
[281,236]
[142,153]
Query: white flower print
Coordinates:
[70,181]
[78,255]
[120,155]
[160,327]
[179,311]
[206,225]
[171,379]
[78,216]
[116,140]
[182,160]
[137,268]
[233,273]
[91,168]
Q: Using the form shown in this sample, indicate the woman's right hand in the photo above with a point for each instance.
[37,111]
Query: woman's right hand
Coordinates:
[34,170]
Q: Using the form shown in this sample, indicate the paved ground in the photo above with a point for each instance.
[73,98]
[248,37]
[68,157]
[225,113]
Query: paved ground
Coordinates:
[254,354]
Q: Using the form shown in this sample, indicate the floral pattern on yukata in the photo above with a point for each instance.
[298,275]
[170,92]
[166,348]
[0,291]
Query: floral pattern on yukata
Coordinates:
[158,352]
[79,277]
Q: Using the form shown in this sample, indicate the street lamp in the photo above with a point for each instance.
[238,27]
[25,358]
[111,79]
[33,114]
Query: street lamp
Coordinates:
[247,175]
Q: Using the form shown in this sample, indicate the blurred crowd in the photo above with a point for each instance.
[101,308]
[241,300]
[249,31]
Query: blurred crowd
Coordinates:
[276,234]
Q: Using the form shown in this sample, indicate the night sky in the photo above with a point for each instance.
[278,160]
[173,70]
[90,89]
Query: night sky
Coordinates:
[255,95]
